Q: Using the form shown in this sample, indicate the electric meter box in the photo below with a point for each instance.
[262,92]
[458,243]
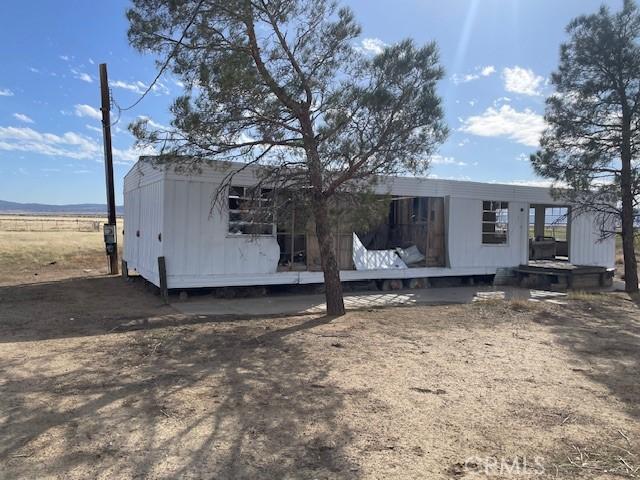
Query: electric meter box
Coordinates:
[109,230]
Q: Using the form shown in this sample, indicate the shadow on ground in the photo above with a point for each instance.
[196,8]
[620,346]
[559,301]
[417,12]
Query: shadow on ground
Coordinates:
[78,307]
[182,402]
[605,342]
[101,305]
[90,385]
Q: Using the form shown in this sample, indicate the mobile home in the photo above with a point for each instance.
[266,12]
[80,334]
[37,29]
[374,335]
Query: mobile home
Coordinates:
[434,228]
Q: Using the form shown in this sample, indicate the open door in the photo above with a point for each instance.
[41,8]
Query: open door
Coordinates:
[549,232]
[419,222]
[435,233]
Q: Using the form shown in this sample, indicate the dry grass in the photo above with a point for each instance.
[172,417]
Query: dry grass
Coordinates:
[98,381]
[50,223]
[500,306]
[583,296]
[619,254]
[33,256]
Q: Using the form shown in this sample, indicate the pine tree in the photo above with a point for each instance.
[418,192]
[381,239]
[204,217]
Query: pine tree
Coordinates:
[283,83]
[592,142]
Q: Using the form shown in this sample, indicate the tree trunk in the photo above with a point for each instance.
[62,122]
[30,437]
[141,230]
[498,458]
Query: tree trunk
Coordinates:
[332,284]
[628,236]
[628,233]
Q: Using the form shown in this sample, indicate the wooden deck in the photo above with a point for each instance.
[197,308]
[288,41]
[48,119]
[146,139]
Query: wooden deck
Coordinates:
[562,274]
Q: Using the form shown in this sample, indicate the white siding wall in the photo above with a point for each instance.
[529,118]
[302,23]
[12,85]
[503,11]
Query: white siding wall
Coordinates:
[586,247]
[430,187]
[198,245]
[465,248]
[199,252]
[144,215]
[132,223]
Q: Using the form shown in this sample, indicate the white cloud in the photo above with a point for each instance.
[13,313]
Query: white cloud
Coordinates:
[131,154]
[85,77]
[136,87]
[525,183]
[70,144]
[94,128]
[488,70]
[440,160]
[34,70]
[470,77]
[153,124]
[499,101]
[83,110]
[22,117]
[522,80]
[65,58]
[373,46]
[5,92]
[139,87]
[523,127]
[91,61]
[459,178]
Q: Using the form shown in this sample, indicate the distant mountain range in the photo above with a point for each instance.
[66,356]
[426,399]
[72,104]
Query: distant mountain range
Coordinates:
[41,208]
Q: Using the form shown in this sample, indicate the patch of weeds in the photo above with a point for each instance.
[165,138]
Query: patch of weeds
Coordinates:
[437,391]
[583,296]
[515,305]
[523,305]
[612,460]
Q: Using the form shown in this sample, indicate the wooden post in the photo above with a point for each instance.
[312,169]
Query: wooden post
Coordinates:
[427,237]
[108,162]
[293,236]
[539,220]
[162,270]
[125,270]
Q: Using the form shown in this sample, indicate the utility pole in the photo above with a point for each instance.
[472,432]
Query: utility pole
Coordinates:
[110,228]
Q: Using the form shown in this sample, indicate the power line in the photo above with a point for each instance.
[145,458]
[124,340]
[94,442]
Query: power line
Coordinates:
[163,67]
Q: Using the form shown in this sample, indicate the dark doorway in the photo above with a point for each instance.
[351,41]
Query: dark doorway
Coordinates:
[415,229]
[549,232]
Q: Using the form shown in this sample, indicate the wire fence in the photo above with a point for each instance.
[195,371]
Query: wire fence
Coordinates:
[40,224]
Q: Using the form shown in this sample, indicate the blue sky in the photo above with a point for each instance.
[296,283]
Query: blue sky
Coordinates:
[498,55]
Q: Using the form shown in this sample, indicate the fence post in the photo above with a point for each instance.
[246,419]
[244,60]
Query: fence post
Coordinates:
[162,271]
[125,269]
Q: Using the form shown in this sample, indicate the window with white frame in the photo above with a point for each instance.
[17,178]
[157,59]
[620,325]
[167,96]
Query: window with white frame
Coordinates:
[556,222]
[250,211]
[495,222]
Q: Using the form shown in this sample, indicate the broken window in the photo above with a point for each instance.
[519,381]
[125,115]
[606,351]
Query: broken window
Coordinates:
[555,222]
[495,222]
[250,211]
[292,238]
[414,227]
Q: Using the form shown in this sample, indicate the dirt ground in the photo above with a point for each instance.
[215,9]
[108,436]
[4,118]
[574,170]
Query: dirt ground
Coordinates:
[99,380]
[43,256]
